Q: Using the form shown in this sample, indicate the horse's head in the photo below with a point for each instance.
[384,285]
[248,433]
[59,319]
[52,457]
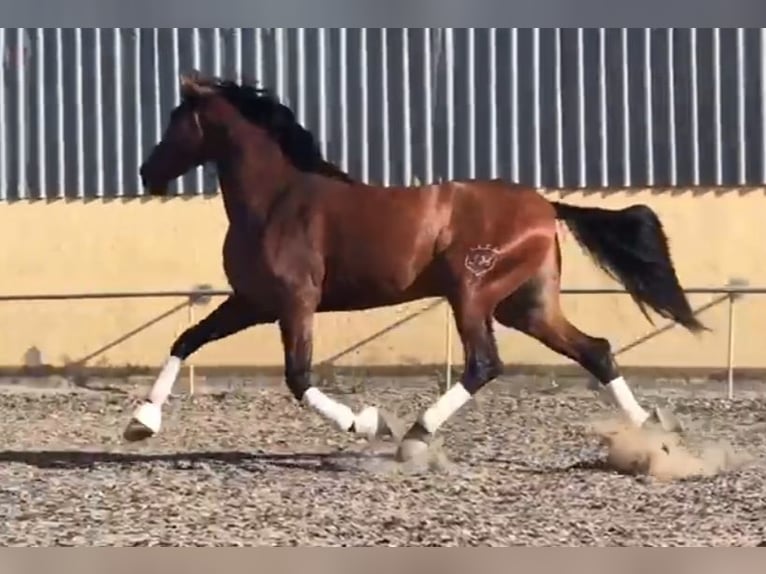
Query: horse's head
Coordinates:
[186,142]
[202,126]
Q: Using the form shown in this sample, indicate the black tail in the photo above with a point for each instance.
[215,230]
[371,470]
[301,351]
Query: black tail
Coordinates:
[630,245]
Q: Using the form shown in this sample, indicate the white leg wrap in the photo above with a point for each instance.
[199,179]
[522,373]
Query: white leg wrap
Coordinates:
[165,381]
[446,406]
[622,396]
[149,414]
[366,422]
[340,415]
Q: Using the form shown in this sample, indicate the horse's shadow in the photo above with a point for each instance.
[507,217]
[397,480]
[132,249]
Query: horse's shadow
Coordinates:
[255,462]
[589,465]
[341,461]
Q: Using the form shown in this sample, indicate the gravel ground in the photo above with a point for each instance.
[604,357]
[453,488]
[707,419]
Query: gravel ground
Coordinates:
[247,467]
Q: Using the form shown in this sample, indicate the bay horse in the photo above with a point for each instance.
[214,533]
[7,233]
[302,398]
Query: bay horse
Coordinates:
[305,238]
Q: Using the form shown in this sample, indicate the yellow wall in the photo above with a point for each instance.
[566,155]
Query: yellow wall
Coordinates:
[158,245]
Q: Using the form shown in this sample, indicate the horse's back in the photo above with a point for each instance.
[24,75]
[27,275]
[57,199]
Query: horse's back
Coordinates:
[405,212]
[493,210]
[432,215]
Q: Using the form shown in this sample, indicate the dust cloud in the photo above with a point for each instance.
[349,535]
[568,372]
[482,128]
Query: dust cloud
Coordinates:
[663,455]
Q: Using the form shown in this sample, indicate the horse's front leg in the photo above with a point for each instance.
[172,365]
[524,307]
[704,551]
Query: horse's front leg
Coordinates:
[233,315]
[296,327]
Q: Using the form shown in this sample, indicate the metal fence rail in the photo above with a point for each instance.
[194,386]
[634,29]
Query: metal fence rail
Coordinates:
[201,295]
[212,292]
[553,107]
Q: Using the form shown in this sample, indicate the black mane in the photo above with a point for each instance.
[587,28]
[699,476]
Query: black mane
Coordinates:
[264,109]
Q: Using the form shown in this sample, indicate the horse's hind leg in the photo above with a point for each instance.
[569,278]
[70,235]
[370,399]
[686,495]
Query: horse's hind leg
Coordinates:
[473,300]
[482,365]
[535,310]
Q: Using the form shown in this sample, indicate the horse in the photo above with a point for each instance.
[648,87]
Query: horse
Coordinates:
[304,237]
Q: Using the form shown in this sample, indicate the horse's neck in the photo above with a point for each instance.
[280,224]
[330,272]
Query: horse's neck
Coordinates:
[237,211]
[250,184]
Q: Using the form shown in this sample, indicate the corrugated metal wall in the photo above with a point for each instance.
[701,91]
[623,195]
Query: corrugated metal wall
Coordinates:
[80,108]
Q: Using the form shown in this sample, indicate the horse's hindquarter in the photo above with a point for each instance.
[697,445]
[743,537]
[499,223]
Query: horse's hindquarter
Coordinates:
[380,243]
[498,228]
[495,211]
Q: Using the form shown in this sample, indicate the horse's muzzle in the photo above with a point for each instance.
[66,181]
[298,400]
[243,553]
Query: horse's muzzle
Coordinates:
[152,187]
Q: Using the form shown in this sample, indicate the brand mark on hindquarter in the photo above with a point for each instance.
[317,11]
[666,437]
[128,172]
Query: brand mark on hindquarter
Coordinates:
[481,259]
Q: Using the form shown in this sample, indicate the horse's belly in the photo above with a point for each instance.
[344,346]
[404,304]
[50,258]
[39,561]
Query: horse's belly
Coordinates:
[373,289]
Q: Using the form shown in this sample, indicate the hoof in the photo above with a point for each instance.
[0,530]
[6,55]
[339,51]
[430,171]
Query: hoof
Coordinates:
[411,449]
[414,444]
[146,422]
[666,420]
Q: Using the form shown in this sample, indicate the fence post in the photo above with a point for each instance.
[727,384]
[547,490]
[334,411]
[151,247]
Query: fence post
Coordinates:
[448,344]
[730,356]
[190,321]
[735,287]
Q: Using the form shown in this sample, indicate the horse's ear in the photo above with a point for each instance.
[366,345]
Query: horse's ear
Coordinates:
[192,85]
